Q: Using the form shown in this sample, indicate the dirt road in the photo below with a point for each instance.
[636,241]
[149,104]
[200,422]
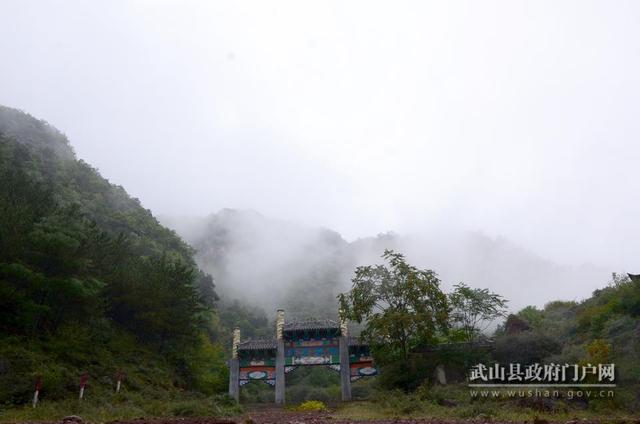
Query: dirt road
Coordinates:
[281,416]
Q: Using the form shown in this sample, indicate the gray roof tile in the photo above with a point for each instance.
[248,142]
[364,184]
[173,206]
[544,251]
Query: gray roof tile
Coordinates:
[257,344]
[316,324]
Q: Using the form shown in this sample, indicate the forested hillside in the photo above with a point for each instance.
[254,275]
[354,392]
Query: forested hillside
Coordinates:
[602,328]
[91,282]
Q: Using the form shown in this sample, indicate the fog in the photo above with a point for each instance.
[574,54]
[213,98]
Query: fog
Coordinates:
[273,263]
[497,140]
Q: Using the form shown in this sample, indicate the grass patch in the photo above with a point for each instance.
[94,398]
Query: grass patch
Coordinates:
[124,406]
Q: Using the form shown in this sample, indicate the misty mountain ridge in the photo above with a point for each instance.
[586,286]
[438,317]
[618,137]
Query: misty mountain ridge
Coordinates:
[74,182]
[269,262]
[34,133]
[273,263]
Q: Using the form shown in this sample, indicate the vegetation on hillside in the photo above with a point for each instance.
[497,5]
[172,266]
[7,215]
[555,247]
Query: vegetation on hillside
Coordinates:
[579,330]
[413,327]
[90,282]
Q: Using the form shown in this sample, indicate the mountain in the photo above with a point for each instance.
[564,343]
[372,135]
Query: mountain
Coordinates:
[273,263]
[270,263]
[74,182]
[520,275]
[91,282]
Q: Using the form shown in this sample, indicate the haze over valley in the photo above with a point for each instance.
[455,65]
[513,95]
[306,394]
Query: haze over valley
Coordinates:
[274,263]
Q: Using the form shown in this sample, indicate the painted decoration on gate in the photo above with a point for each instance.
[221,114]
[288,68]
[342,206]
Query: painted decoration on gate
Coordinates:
[360,357]
[325,351]
[367,371]
[257,373]
[334,367]
[363,369]
[249,361]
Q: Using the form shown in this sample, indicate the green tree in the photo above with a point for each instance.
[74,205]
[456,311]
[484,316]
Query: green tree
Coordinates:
[472,310]
[155,299]
[532,315]
[402,307]
[599,351]
[23,200]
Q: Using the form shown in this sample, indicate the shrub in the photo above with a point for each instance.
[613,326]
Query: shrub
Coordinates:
[311,406]
[526,348]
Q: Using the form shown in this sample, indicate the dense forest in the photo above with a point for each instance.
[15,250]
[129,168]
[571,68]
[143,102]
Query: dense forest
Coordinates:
[91,282]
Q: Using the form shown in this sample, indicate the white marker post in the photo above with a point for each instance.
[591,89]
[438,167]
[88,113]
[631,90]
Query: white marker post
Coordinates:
[119,379]
[36,392]
[83,382]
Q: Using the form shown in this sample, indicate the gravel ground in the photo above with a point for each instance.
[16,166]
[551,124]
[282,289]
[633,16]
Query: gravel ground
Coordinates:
[282,416]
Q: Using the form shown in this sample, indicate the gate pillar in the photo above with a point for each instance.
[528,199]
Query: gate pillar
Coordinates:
[234,367]
[345,369]
[280,386]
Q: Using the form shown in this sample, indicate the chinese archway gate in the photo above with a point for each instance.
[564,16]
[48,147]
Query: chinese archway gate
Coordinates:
[299,343]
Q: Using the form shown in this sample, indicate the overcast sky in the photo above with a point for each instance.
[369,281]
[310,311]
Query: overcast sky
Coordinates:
[518,119]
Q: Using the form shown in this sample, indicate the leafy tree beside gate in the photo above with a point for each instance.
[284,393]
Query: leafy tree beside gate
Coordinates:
[402,306]
[472,310]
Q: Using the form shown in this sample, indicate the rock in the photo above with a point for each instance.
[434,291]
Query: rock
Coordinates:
[72,419]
